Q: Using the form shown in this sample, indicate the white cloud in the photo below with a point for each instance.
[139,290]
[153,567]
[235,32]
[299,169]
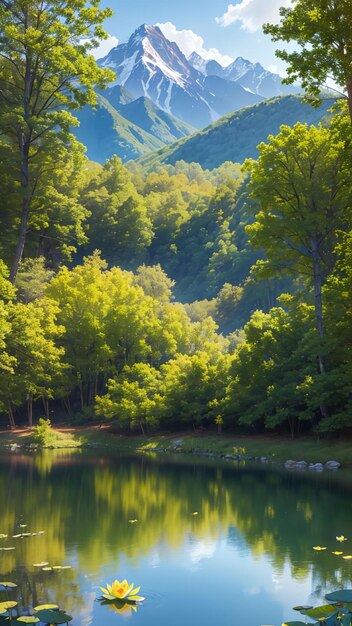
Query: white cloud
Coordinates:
[275,69]
[252,14]
[189,42]
[105,46]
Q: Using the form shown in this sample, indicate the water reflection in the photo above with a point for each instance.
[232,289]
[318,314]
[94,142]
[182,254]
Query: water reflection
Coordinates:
[252,537]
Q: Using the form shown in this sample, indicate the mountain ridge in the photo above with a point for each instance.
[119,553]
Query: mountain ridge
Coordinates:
[236,136]
[150,65]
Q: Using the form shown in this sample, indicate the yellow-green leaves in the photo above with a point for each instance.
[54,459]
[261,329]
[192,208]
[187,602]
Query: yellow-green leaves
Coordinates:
[322,32]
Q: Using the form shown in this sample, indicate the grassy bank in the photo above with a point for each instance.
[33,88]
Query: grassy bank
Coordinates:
[275,448]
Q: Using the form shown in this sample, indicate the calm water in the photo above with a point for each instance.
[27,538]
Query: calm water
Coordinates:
[244,560]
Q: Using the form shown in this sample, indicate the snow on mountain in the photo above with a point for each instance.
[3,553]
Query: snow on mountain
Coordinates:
[150,65]
[253,77]
[198,62]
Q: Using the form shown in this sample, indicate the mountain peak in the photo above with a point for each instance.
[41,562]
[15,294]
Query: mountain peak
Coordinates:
[146,30]
[196,90]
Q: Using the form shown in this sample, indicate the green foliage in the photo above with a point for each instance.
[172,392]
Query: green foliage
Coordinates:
[302,182]
[43,434]
[46,70]
[260,258]
[32,279]
[322,32]
[235,137]
[118,221]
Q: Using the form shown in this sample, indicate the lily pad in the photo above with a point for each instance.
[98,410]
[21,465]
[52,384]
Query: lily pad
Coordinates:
[2,536]
[325,611]
[28,619]
[342,595]
[43,607]
[302,607]
[43,564]
[12,548]
[8,585]
[347,557]
[5,606]
[319,548]
[47,569]
[49,616]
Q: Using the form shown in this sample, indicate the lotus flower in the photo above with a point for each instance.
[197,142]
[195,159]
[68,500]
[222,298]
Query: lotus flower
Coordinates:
[341,538]
[121,591]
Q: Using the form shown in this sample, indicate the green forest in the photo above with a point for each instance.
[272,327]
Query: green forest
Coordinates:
[180,297]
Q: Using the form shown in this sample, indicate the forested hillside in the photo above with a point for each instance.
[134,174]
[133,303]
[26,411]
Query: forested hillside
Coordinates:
[128,128]
[235,137]
[176,297]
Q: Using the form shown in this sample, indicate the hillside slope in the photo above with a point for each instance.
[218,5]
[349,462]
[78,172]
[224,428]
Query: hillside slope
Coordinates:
[144,113]
[130,129]
[235,137]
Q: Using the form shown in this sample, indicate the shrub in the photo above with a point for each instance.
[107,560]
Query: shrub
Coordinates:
[43,434]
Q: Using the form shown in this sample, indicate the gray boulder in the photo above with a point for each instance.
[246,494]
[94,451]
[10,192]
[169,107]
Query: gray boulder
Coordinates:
[290,464]
[317,467]
[332,465]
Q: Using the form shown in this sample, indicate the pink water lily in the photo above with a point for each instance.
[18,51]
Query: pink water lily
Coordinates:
[121,591]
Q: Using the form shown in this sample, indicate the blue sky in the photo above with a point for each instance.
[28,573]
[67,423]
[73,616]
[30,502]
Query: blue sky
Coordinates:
[214,28]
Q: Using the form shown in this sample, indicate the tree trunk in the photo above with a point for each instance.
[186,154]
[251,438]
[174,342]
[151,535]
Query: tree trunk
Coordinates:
[67,405]
[30,410]
[318,300]
[318,304]
[349,97]
[11,417]
[21,240]
[81,394]
[24,142]
[46,407]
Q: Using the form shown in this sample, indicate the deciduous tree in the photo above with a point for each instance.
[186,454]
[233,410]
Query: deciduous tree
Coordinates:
[45,70]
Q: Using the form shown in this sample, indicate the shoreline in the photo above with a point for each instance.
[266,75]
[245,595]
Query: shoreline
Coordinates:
[294,454]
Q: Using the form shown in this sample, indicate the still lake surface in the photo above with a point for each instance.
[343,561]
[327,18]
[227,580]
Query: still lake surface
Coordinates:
[245,559]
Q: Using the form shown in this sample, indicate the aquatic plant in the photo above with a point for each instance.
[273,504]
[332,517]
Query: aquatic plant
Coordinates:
[337,613]
[46,613]
[121,591]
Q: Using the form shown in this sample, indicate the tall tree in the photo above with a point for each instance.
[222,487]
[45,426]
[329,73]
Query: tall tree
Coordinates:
[119,224]
[302,182]
[45,71]
[322,29]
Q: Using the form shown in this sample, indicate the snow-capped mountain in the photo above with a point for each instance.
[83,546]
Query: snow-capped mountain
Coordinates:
[198,63]
[206,66]
[251,76]
[152,66]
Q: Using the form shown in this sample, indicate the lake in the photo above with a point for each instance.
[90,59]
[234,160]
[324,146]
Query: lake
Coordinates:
[214,544]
